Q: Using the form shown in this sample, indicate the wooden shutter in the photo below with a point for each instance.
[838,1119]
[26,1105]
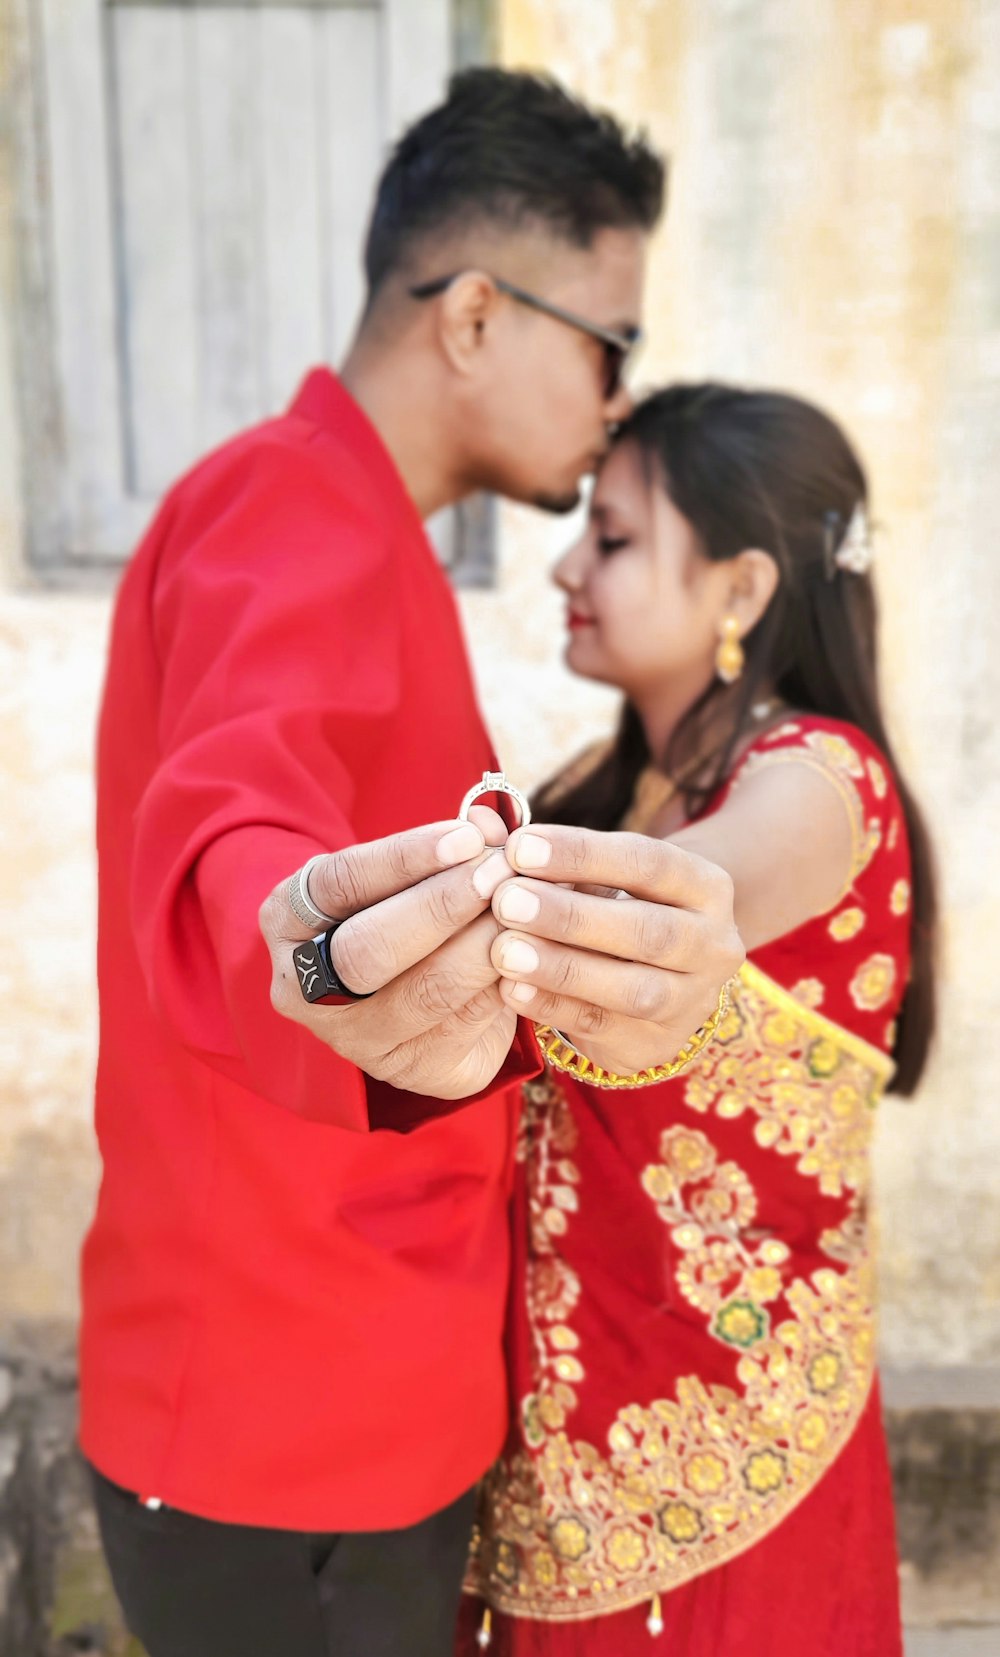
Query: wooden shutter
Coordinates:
[195,180]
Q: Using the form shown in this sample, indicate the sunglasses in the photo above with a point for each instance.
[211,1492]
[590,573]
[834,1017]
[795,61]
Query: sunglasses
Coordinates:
[618,347]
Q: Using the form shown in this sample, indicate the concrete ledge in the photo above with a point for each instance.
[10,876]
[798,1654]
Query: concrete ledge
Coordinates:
[956,1388]
[944,1441]
[946,1470]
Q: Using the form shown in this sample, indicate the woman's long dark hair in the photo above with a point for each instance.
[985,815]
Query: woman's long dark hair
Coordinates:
[763,469]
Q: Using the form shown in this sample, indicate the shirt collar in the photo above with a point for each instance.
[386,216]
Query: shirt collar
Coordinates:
[324,401]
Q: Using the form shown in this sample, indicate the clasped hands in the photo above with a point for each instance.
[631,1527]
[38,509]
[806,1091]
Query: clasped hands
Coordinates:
[620,941]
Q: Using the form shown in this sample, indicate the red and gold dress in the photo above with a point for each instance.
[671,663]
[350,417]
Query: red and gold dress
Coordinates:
[696,1462]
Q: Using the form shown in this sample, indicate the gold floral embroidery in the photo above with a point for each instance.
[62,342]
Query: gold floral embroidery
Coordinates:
[899,902]
[893,836]
[811,1095]
[810,991]
[873,983]
[837,751]
[846,925]
[872,842]
[783,731]
[877,775]
[575,1529]
[707,1204]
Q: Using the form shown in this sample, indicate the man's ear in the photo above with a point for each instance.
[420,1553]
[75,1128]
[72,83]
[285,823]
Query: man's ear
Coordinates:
[755,578]
[466,309]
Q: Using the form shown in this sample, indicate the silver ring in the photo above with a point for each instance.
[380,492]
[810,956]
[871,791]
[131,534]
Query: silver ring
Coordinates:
[297,892]
[494,782]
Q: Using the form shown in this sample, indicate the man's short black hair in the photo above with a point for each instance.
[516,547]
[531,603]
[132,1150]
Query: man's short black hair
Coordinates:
[515,150]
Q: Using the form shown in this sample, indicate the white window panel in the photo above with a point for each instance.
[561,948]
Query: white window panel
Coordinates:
[194,185]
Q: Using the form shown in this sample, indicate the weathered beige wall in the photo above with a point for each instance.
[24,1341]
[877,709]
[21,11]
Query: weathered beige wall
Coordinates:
[834,227]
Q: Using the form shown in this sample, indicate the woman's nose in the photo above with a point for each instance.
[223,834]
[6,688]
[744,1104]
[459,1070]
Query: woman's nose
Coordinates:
[568,572]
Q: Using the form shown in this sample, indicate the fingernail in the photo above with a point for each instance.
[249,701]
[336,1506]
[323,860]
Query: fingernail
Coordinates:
[531,851]
[522,993]
[517,956]
[490,873]
[459,844]
[517,904]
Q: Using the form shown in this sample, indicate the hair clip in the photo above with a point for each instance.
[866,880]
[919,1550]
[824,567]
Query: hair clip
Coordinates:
[849,549]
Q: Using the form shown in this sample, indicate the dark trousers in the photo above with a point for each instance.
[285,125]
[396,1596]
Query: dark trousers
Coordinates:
[190,1587]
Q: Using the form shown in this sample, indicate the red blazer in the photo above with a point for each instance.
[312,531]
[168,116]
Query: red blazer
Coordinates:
[292,1310]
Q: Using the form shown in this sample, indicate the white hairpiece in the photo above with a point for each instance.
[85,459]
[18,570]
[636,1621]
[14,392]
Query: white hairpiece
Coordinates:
[856,554]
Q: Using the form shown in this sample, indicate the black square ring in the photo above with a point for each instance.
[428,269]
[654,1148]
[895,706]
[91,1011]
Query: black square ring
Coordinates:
[318,978]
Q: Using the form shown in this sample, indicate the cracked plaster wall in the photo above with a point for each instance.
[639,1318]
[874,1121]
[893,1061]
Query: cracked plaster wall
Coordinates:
[834,227]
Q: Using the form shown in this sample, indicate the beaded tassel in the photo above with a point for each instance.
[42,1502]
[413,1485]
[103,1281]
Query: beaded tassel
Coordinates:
[654,1622]
[484,1638]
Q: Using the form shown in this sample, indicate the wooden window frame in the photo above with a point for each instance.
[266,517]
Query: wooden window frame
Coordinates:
[48,560]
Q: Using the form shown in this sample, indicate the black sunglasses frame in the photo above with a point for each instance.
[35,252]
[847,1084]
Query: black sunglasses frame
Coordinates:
[618,347]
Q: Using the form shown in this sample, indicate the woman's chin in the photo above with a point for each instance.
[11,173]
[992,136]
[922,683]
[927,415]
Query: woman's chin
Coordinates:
[582,659]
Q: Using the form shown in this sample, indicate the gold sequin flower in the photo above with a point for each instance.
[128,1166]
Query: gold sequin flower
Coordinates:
[626,1549]
[873,983]
[836,751]
[764,1283]
[846,925]
[812,1433]
[690,1154]
[543,1568]
[824,1371]
[505,1562]
[878,782]
[569,1538]
[781,1030]
[741,1323]
[764,1472]
[824,1057]
[680,1522]
[658,1182]
[706,1474]
[810,991]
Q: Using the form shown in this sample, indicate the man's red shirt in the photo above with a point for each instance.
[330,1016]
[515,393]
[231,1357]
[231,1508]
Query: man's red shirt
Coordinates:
[292,1308]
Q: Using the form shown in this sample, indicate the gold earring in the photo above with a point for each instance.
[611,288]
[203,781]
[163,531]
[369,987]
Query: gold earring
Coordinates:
[729,657]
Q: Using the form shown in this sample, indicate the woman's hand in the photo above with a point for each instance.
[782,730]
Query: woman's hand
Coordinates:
[628,978]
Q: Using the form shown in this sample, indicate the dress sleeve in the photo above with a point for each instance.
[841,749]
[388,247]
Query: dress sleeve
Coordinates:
[278,660]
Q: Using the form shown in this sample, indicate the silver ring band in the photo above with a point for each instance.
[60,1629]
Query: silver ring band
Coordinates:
[297,892]
[494,782]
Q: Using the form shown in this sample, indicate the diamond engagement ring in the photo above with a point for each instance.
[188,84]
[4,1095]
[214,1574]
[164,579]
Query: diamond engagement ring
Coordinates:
[494,782]
[297,893]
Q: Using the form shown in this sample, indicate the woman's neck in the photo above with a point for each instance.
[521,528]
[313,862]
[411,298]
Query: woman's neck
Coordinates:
[662,715]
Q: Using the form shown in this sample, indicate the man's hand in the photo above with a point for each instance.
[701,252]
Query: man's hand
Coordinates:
[626,979]
[418,931]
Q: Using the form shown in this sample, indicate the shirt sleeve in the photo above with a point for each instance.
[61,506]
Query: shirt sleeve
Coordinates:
[279,659]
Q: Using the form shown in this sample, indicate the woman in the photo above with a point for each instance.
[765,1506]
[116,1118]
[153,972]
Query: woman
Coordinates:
[697,1451]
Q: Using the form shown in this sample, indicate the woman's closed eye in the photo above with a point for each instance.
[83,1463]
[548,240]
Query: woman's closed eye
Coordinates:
[607,544]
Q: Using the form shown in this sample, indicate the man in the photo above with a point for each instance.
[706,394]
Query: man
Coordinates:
[293,1290]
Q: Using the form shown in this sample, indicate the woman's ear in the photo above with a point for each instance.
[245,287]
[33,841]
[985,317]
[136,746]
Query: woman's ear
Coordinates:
[466,308]
[754,582]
